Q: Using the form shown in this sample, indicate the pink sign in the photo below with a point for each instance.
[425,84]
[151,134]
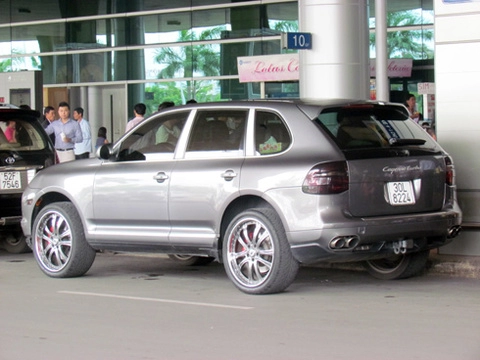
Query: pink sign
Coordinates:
[395,68]
[281,67]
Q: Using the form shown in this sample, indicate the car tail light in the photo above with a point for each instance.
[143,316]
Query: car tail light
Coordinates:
[328,178]
[450,171]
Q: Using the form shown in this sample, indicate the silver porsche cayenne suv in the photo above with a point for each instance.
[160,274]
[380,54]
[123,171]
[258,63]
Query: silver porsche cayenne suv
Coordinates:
[260,186]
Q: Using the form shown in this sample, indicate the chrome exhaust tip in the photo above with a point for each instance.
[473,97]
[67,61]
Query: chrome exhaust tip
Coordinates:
[454,231]
[344,242]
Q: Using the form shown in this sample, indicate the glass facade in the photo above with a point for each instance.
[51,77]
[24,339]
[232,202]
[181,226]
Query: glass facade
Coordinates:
[409,36]
[189,45]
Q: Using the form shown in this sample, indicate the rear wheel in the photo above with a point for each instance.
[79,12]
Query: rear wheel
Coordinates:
[256,253]
[59,243]
[15,243]
[398,266]
[191,260]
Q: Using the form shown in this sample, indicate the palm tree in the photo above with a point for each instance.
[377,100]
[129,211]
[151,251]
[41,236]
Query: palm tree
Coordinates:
[187,61]
[285,25]
[18,63]
[6,65]
[408,43]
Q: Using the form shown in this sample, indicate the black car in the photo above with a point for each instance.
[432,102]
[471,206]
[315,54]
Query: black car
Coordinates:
[25,149]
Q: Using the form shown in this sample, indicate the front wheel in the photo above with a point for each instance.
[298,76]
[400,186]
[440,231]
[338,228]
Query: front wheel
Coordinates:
[59,243]
[15,243]
[398,266]
[256,253]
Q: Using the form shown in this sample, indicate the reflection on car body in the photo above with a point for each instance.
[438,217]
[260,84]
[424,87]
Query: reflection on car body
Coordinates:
[297,183]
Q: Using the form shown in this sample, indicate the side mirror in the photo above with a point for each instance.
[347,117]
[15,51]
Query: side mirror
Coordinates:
[105,152]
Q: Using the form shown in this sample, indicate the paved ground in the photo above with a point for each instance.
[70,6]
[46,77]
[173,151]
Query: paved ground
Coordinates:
[147,307]
[452,265]
[461,266]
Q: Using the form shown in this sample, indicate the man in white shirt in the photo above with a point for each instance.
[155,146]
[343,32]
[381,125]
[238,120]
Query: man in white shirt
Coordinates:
[139,112]
[83,149]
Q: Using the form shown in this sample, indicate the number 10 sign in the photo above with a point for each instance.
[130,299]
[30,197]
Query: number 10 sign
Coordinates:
[299,40]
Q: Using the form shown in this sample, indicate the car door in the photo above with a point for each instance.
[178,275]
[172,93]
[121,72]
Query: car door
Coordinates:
[206,178]
[131,191]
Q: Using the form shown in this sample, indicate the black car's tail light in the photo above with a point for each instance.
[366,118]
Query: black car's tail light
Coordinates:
[450,171]
[328,178]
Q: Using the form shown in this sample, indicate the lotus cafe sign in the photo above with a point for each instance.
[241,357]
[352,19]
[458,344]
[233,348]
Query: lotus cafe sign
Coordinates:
[285,67]
[268,68]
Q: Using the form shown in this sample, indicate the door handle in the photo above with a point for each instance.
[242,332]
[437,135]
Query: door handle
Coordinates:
[229,175]
[161,177]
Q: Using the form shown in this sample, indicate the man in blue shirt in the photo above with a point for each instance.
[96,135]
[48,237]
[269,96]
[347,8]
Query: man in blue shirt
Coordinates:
[82,149]
[67,133]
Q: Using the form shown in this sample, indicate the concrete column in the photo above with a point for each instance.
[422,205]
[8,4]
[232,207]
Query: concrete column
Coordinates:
[337,66]
[381,62]
[95,111]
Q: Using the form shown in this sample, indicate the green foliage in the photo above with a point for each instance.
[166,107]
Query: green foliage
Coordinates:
[285,26]
[190,60]
[205,91]
[6,65]
[408,44]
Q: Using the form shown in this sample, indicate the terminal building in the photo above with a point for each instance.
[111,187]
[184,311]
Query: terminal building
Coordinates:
[107,55]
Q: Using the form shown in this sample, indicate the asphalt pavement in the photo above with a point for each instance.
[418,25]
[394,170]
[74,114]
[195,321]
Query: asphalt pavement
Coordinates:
[441,264]
[454,265]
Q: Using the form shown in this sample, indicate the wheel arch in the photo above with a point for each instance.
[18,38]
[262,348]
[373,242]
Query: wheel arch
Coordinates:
[47,199]
[235,207]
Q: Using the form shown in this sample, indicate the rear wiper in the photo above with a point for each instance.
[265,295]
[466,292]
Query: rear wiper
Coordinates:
[402,142]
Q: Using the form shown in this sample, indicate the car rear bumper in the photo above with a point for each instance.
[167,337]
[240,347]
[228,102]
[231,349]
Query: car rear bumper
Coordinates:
[365,239]
[10,220]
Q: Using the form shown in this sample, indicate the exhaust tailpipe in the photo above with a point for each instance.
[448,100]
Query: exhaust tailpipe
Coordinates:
[454,231]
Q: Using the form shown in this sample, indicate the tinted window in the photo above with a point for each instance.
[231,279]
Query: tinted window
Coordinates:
[271,134]
[218,130]
[373,126]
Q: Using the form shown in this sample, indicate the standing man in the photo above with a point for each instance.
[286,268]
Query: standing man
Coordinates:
[48,117]
[82,149]
[67,133]
[139,112]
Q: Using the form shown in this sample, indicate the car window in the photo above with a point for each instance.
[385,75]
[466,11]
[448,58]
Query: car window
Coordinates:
[218,130]
[372,126]
[154,136]
[271,133]
[20,135]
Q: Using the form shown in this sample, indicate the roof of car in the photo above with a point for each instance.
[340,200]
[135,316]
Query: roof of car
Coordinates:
[9,111]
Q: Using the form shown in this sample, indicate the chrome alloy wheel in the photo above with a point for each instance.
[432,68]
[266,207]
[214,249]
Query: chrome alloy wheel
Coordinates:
[53,241]
[251,252]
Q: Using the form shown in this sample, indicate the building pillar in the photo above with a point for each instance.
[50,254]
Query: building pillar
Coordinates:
[382,83]
[337,66]
[95,111]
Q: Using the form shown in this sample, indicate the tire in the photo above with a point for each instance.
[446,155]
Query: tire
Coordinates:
[16,243]
[58,242]
[256,253]
[190,260]
[398,266]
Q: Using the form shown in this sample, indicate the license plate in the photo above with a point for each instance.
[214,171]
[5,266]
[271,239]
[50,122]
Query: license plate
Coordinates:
[400,193]
[10,180]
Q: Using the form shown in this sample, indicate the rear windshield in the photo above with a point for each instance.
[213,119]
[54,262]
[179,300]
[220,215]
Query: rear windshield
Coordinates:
[373,126]
[21,135]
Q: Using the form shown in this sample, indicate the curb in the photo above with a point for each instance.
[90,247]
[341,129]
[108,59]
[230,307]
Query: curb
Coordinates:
[455,266]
